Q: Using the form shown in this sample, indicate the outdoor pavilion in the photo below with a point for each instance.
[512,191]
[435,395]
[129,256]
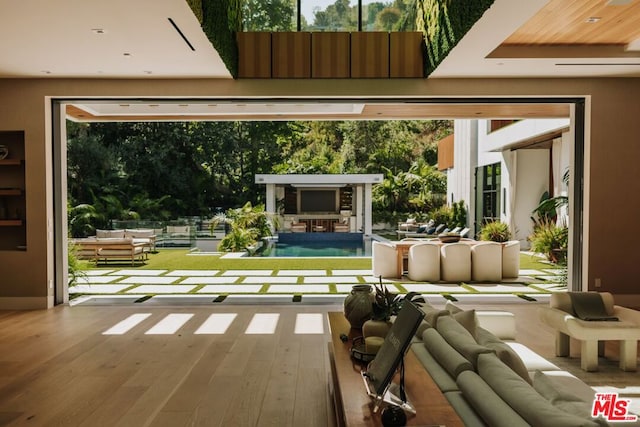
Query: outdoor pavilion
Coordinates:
[348,201]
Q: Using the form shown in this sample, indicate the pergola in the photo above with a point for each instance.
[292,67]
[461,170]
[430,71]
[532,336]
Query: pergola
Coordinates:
[361,185]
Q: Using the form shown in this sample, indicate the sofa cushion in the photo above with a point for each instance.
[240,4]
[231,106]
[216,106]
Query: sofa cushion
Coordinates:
[460,339]
[467,319]
[439,375]
[504,352]
[452,361]
[431,314]
[110,234]
[465,411]
[522,397]
[491,407]
[139,232]
[563,400]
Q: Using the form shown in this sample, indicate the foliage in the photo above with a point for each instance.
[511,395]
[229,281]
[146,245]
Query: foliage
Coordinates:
[551,240]
[547,209]
[495,231]
[196,8]
[221,19]
[74,265]
[274,15]
[441,215]
[387,304]
[458,214]
[160,171]
[247,225]
[444,23]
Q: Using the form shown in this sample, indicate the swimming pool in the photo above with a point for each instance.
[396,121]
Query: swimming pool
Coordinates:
[320,245]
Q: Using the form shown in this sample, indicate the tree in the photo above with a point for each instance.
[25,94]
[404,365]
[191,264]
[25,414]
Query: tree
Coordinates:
[273,15]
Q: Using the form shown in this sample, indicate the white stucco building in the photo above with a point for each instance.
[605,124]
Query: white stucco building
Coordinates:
[501,169]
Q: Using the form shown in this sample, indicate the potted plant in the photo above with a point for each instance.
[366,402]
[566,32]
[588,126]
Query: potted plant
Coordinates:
[385,305]
[495,231]
[550,239]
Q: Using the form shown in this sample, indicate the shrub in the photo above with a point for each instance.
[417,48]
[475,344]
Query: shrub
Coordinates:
[551,240]
[442,215]
[495,231]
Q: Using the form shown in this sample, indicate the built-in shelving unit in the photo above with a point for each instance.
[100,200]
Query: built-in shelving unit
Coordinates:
[13,232]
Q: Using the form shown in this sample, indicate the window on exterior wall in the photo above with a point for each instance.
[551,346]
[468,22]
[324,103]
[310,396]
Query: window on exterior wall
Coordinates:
[488,194]
[272,15]
[329,15]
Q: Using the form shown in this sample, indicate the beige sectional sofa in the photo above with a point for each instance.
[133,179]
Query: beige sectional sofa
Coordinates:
[491,380]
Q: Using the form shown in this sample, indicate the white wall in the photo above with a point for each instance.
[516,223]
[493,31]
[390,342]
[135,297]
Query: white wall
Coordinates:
[460,179]
[532,181]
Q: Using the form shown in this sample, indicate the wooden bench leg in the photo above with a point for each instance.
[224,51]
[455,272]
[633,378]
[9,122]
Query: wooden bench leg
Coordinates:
[589,355]
[562,344]
[628,355]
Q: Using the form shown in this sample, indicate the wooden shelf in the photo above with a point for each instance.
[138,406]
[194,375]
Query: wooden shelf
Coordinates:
[10,162]
[10,192]
[11,222]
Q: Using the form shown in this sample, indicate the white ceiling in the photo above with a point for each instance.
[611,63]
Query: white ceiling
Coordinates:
[60,38]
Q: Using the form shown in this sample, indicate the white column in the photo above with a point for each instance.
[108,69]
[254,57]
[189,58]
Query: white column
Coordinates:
[368,216]
[359,205]
[270,200]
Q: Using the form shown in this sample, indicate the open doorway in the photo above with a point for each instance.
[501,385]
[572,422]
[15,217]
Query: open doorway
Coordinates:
[369,109]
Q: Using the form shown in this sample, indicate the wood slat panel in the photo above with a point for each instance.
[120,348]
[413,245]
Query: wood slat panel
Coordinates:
[445,153]
[291,55]
[406,57]
[330,55]
[370,55]
[564,22]
[254,55]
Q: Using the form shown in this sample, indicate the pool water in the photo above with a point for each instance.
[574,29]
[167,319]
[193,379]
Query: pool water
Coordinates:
[318,249]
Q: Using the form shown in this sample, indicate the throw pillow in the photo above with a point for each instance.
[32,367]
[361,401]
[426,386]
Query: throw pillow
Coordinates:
[468,319]
[460,339]
[504,352]
[431,314]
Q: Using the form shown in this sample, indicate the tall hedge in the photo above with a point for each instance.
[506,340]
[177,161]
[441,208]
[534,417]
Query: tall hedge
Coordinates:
[220,20]
[444,23]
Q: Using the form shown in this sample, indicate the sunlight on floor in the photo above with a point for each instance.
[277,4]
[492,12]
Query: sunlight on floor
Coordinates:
[127,324]
[263,323]
[309,323]
[170,324]
[216,324]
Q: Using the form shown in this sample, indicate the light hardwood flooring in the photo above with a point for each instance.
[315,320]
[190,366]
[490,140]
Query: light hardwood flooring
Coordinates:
[57,368]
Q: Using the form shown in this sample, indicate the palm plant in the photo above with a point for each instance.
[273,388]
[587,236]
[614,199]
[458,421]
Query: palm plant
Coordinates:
[387,304]
[247,225]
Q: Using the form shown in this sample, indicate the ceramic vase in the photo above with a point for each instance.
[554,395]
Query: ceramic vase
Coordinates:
[358,305]
[376,328]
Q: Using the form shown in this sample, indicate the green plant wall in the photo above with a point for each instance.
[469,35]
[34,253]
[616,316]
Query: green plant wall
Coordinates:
[444,23]
[220,20]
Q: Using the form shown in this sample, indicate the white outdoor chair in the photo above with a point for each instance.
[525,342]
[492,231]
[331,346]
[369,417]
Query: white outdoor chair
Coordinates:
[424,262]
[486,262]
[383,259]
[511,259]
[455,262]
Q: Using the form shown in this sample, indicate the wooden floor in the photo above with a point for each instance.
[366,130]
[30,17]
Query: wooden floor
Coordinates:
[58,369]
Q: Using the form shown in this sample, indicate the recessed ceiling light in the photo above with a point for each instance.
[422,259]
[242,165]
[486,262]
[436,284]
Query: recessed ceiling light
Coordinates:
[98,31]
[148,72]
[126,54]
[124,105]
[45,72]
[593,19]
[154,105]
[183,105]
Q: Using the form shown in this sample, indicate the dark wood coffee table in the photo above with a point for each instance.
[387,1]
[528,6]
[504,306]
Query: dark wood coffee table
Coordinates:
[355,408]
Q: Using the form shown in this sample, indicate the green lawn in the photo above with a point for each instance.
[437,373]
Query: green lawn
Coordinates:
[179,259]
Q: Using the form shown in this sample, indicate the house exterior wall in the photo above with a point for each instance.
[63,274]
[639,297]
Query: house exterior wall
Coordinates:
[612,106]
[532,179]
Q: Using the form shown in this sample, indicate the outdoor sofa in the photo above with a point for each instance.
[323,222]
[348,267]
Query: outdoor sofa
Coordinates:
[124,244]
[491,380]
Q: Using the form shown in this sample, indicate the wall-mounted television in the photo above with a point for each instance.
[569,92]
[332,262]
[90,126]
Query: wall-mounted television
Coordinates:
[318,201]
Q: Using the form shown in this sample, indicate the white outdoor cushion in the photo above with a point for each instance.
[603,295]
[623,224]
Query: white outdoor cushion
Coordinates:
[383,260]
[424,262]
[511,259]
[486,262]
[455,262]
